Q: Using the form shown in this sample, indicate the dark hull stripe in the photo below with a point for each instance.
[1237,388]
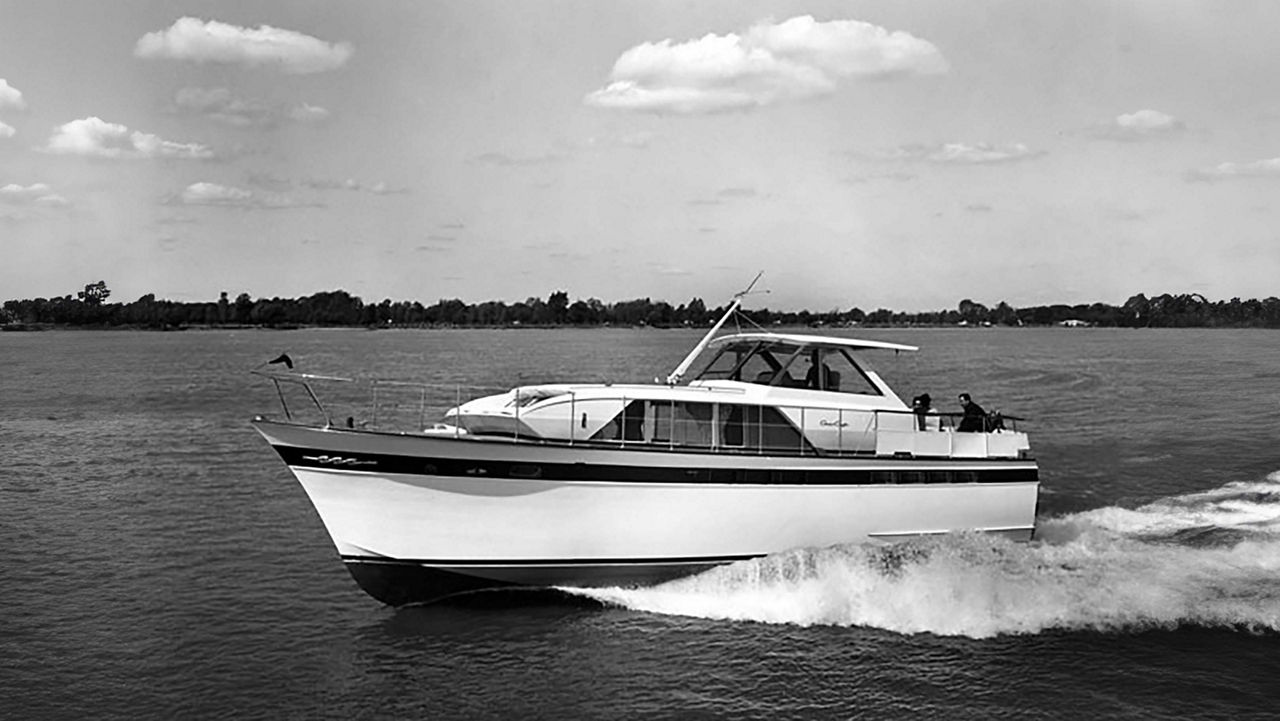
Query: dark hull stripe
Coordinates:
[933,471]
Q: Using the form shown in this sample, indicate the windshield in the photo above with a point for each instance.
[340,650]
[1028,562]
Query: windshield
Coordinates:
[790,365]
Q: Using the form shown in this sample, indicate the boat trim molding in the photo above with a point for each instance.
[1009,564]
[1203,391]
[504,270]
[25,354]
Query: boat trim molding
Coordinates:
[753,470]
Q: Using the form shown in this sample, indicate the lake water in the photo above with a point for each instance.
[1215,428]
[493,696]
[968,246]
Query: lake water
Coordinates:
[160,562]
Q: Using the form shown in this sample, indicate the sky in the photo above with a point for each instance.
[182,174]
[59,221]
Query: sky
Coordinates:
[891,154]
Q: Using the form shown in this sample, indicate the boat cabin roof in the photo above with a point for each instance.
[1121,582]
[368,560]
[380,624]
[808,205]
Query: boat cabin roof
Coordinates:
[821,341]
[803,362]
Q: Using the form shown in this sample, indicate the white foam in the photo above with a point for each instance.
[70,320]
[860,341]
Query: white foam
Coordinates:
[1105,569]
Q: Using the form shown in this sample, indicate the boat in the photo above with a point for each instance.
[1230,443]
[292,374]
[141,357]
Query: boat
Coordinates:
[780,441]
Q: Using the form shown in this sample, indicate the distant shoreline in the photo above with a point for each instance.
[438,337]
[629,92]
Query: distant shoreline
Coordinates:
[200,328]
[339,309]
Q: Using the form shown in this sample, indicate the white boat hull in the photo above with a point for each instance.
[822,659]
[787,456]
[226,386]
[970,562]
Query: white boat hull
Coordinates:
[417,518]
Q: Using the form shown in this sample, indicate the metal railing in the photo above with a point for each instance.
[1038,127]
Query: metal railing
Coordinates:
[643,422]
[368,404]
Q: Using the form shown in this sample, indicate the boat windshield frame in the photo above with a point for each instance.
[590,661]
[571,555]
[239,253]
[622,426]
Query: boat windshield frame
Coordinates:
[781,354]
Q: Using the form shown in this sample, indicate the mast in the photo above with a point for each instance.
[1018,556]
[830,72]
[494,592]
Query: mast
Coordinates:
[681,369]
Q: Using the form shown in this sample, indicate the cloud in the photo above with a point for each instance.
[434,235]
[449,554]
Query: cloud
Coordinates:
[964,154]
[215,42]
[305,113]
[10,97]
[268,181]
[1256,169]
[378,188]
[31,202]
[93,136]
[220,105]
[228,196]
[6,131]
[34,194]
[1148,121]
[214,194]
[273,183]
[770,63]
[663,268]
[1140,125]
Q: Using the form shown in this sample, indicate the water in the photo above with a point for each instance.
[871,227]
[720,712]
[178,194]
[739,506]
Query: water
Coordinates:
[160,561]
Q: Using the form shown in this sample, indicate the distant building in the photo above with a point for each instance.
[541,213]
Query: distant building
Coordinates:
[1075,323]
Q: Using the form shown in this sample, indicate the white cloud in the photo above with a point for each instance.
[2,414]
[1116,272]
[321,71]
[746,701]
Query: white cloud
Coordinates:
[965,154]
[93,136]
[1140,125]
[6,131]
[770,63]
[216,42]
[228,196]
[306,113]
[214,194]
[34,194]
[53,200]
[378,188]
[1148,121]
[221,105]
[13,191]
[1269,168]
[10,97]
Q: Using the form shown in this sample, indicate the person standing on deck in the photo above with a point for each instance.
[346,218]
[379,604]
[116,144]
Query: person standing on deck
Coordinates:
[975,418]
[922,406]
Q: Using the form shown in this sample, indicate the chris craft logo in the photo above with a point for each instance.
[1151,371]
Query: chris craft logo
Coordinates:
[338,461]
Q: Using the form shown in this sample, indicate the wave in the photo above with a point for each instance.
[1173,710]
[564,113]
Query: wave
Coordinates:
[1208,559]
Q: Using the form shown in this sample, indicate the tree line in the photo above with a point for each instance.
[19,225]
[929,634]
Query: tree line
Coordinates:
[89,308]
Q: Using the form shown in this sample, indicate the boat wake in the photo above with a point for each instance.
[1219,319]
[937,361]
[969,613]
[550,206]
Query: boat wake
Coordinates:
[1207,559]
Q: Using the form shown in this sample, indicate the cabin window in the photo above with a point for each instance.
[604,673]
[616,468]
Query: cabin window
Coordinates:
[833,369]
[668,422]
[703,425]
[723,365]
[758,428]
[790,365]
[626,426]
[678,423]
[765,363]
[754,362]
[522,397]
[692,424]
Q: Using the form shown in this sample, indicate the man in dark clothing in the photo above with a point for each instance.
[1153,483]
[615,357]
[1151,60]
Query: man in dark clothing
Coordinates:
[975,418]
